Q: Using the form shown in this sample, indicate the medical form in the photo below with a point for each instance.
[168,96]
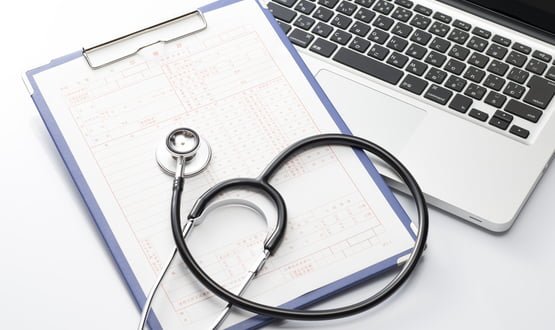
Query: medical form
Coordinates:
[238,86]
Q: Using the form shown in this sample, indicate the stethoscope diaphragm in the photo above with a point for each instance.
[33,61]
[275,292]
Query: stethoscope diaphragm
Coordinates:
[185,143]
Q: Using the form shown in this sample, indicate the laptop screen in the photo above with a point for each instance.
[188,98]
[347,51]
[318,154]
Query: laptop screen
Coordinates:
[538,13]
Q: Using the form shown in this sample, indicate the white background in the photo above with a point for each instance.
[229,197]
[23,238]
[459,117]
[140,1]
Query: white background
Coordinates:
[56,272]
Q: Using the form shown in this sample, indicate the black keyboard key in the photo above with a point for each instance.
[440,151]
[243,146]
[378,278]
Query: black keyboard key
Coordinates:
[495,99]
[322,29]
[421,37]
[368,65]
[360,29]
[460,103]
[523,111]
[474,74]
[323,47]
[402,14]
[397,44]
[413,84]
[435,59]
[503,115]
[498,68]
[346,8]
[442,17]
[477,43]
[459,52]
[462,25]
[540,93]
[551,73]
[305,7]
[475,91]
[478,60]
[397,60]
[328,3]
[499,123]
[304,22]
[458,36]
[521,48]
[416,67]
[281,12]
[383,7]
[341,37]
[284,26]
[416,51]
[481,32]
[438,94]
[536,66]
[494,82]
[516,59]
[401,30]
[300,38]
[404,3]
[378,36]
[518,75]
[542,56]
[423,10]
[455,83]
[341,21]
[519,131]
[379,52]
[514,90]
[359,44]
[420,22]
[454,66]
[365,3]
[287,3]
[436,75]
[501,40]
[477,114]
[441,45]
[323,14]
[497,51]
[439,29]
[383,22]
[365,15]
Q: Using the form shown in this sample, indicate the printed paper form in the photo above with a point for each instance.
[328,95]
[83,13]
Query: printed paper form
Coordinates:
[237,86]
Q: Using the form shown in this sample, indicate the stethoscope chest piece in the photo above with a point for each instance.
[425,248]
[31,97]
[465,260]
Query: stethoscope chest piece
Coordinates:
[188,144]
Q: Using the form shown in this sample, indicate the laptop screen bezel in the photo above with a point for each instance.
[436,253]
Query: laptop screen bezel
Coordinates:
[497,16]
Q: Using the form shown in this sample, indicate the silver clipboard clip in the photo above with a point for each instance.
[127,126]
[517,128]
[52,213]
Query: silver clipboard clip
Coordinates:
[132,48]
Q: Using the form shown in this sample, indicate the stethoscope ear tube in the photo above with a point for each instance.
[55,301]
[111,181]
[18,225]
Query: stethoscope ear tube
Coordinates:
[261,182]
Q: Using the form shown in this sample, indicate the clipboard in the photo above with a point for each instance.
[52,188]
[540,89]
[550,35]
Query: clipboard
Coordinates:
[303,301]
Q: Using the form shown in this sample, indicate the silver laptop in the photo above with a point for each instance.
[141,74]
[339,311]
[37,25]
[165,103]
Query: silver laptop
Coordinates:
[460,91]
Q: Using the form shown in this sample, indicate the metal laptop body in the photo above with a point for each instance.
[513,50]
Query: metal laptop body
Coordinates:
[481,171]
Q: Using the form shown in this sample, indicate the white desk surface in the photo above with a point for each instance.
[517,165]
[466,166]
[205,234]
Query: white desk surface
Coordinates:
[56,272]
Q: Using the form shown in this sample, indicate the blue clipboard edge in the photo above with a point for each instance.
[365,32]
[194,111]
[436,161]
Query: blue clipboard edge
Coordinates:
[82,186]
[94,209]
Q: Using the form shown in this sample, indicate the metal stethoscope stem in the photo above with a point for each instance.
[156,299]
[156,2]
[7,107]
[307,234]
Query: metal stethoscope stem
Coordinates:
[251,273]
[148,303]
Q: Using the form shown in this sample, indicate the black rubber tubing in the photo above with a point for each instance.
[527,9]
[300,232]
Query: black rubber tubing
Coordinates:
[314,315]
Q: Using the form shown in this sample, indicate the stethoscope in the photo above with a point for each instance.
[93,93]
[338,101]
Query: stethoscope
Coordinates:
[188,154]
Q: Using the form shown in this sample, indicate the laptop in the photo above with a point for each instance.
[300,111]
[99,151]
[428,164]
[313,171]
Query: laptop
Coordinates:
[460,91]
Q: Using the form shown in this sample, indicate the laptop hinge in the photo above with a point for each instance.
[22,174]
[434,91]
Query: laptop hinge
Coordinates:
[502,19]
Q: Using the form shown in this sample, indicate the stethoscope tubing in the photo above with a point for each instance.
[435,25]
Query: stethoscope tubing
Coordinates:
[262,181]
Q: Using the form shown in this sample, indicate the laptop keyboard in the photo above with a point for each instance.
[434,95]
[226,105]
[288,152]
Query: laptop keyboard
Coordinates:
[427,53]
